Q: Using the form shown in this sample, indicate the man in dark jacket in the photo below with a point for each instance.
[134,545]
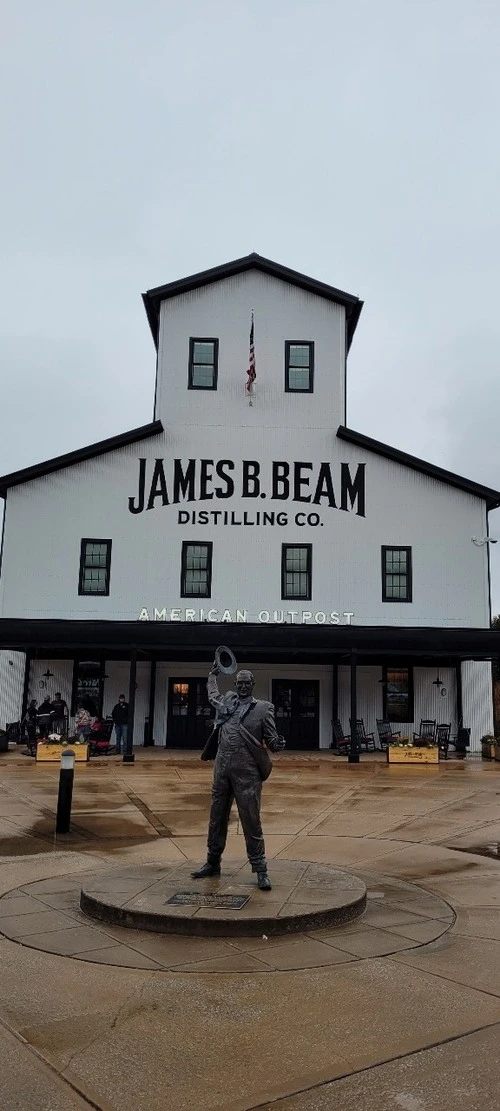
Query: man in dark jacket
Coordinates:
[60,711]
[237,774]
[120,718]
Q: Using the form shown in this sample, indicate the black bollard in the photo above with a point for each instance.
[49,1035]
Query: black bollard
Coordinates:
[64,798]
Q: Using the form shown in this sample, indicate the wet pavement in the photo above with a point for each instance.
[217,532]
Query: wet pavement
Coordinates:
[399,1010]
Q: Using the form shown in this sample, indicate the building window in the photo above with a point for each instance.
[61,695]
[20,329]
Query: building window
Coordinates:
[203,362]
[196,570]
[398,693]
[299,366]
[296,571]
[95,563]
[396,574]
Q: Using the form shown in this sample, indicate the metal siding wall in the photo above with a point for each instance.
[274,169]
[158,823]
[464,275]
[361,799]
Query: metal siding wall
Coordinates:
[117,683]
[427,701]
[477,700]
[12,666]
[62,681]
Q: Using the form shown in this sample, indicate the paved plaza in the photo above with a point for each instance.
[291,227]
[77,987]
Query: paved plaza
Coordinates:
[399,1009]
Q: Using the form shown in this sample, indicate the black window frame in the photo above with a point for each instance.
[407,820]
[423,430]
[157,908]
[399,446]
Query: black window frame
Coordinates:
[409,573]
[200,339]
[294,597]
[94,593]
[289,343]
[411,707]
[208,544]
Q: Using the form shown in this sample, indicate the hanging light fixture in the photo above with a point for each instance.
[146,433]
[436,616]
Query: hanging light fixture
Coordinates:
[48,674]
[437,681]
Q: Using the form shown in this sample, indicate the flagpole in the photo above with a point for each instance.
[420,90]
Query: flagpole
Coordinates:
[251,372]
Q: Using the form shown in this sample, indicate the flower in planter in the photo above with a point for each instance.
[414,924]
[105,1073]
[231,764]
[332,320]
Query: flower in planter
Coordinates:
[61,739]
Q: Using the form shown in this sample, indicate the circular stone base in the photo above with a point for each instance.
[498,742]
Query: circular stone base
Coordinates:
[169,901]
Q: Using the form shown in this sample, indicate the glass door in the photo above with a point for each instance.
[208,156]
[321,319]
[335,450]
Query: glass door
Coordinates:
[296,703]
[190,715]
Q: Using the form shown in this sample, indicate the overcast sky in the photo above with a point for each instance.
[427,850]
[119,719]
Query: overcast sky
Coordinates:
[143,141]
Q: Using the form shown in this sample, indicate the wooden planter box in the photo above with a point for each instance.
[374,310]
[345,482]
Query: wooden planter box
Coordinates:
[488,750]
[52,753]
[397,755]
[496,748]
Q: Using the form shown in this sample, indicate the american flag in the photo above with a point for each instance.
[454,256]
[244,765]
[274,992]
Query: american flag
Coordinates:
[251,362]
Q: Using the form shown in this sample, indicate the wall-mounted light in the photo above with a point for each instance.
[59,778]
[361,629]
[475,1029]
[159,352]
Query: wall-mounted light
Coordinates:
[483,540]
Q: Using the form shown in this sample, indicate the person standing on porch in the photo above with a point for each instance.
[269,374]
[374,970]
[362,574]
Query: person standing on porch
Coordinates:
[60,709]
[120,717]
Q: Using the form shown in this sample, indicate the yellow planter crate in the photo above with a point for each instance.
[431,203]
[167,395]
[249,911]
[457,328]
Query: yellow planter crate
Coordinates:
[53,753]
[402,755]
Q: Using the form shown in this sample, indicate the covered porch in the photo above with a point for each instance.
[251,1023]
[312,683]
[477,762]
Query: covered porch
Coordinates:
[348,671]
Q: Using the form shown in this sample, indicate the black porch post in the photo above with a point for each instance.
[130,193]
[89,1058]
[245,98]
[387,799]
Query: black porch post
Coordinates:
[26,686]
[353,757]
[151,710]
[335,695]
[460,705]
[128,755]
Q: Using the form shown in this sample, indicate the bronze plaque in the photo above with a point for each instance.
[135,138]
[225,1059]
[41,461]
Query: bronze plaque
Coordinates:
[217,902]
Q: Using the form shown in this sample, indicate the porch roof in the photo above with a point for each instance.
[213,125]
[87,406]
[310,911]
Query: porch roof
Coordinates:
[300,643]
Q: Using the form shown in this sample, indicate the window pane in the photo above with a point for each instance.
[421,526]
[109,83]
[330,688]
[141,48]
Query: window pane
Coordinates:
[398,694]
[296,584]
[299,354]
[298,379]
[395,560]
[94,581]
[203,352]
[95,555]
[202,376]
[396,586]
[196,582]
[296,559]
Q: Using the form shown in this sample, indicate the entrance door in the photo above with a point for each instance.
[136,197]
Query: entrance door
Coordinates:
[296,702]
[190,715]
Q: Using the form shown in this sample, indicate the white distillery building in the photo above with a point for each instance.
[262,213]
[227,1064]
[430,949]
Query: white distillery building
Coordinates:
[340,570]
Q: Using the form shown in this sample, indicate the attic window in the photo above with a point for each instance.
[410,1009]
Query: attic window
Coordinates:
[203,364]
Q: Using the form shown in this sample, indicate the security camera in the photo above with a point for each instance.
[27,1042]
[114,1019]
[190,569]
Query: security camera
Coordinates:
[484,540]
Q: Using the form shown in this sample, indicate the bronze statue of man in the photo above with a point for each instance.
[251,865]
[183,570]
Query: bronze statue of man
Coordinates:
[244,725]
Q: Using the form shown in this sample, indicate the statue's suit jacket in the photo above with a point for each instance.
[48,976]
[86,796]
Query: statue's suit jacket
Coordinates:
[257,720]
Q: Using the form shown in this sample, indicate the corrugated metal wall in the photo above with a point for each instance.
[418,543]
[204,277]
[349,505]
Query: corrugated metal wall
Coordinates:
[477,700]
[12,666]
[428,702]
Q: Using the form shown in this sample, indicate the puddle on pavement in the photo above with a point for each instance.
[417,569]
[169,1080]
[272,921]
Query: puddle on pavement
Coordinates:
[491,850]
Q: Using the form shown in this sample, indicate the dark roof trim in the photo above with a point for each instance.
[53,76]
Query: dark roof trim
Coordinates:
[79,456]
[491,497]
[198,641]
[154,297]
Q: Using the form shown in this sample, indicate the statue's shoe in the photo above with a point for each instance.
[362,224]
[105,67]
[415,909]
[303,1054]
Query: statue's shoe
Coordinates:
[263,881]
[206,870]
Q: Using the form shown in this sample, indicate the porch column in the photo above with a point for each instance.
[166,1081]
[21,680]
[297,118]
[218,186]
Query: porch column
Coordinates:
[460,705]
[128,755]
[353,757]
[151,710]
[26,686]
[335,696]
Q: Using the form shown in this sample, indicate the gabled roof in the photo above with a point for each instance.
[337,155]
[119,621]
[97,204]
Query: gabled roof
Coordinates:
[79,456]
[154,297]
[491,497]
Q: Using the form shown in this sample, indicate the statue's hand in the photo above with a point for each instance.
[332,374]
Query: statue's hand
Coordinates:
[278,744]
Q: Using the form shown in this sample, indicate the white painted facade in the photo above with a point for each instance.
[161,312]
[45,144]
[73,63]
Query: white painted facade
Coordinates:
[393,506]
